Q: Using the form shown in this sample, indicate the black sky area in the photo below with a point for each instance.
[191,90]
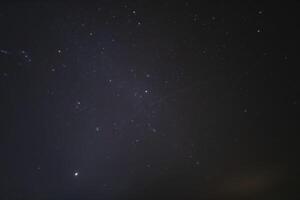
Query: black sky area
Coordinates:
[149,100]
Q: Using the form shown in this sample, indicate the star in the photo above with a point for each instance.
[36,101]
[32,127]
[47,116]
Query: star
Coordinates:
[3,51]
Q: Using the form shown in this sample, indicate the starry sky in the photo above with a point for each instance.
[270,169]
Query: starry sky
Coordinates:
[149,100]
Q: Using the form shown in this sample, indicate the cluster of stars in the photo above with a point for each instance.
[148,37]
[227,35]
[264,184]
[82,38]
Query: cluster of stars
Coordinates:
[96,79]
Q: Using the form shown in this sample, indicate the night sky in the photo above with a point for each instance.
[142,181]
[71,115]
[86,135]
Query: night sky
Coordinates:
[149,100]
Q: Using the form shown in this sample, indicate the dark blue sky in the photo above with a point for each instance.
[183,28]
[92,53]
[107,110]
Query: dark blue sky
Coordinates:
[148,100]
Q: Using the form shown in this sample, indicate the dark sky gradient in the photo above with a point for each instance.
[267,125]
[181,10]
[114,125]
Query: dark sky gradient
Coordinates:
[149,100]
